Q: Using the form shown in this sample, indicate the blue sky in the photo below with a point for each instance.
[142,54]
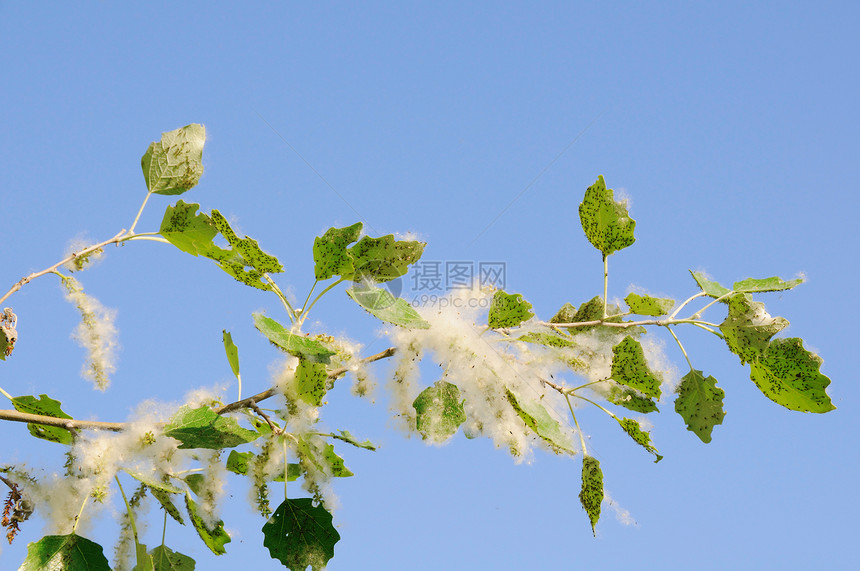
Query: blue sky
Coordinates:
[731,127]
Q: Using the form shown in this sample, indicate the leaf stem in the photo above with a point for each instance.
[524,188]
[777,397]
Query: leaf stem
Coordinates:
[164,529]
[308,298]
[128,511]
[80,513]
[5,394]
[291,313]
[286,468]
[152,237]
[578,429]
[139,212]
[610,413]
[683,305]
[316,299]
[684,351]
[27,279]
[605,282]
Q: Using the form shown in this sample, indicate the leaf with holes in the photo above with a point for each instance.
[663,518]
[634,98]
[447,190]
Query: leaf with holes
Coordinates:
[508,310]
[748,328]
[346,436]
[311,381]
[647,305]
[175,164]
[214,537]
[300,534]
[641,437]
[711,288]
[700,403]
[383,259]
[789,375]
[541,423]
[45,406]
[631,399]
[630,368]
[591,495]
[246,261]
[191,231]
[439,411]
[606,223]
[751,285]
[331,257]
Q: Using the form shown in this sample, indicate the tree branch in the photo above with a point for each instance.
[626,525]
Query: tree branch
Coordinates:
[333,374]
[250,402]
[67,423]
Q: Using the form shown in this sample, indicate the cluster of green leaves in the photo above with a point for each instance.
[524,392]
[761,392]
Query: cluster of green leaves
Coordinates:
[785,372]
[299,532]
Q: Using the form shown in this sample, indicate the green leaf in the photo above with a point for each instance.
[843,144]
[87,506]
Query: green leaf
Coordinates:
[232,351]
[713,289]
[439,411]
[45,406]
[606,223]
[383,259]
[294,344]
[335,463]
[789,375]
[153,484]
[384,306]
[567,314]
[202,428]
[751,285]
[700,403]
[591,495]
[299,534]
[508,310]
[196,482]
[65,553]
[161,491]
[190,231]
[541,423]
[630,368]
[547,339]
[647,305]
[248,262]
[162,558]
[311,379]
[237,462]
[631,400]
[591,310]
[748,328]
[166,501]
[330,252]
[214,538]
[642,438]
[175,164]
[346,436]
[144,561]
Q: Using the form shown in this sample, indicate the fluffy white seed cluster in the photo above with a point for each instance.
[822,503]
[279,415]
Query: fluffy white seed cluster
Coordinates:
[96,333]
[487,366]
[484,369]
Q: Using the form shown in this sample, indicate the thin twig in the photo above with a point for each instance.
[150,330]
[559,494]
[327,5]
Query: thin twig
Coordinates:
[73,425]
